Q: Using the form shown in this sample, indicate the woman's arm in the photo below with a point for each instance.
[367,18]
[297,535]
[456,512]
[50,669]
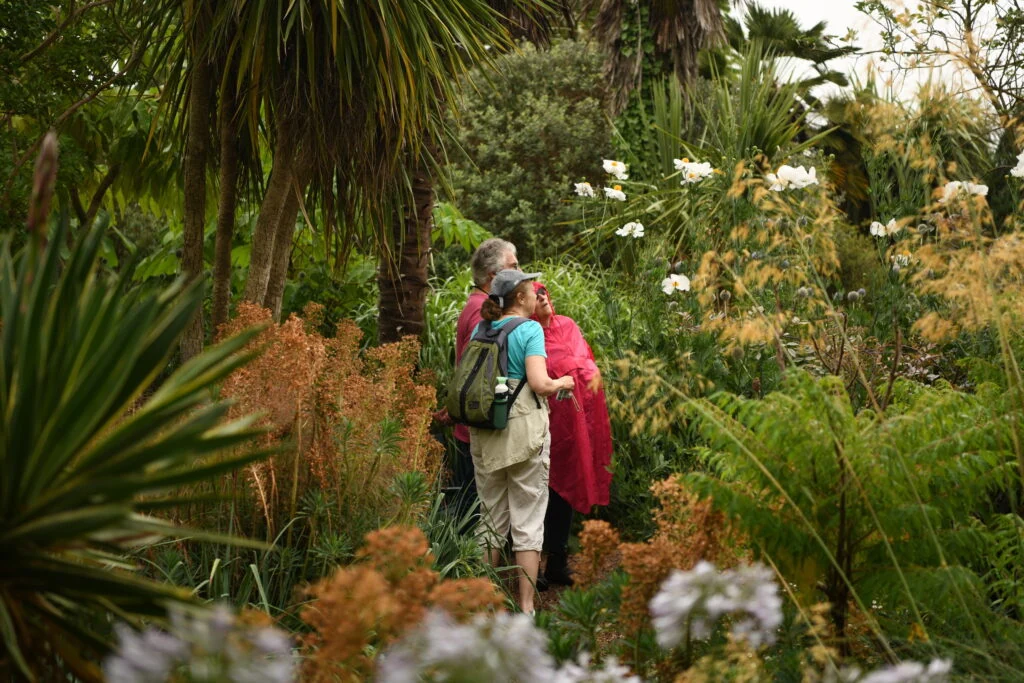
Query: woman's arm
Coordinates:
[537,376]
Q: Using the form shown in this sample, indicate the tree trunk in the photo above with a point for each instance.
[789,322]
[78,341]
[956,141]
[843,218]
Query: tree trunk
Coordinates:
[280,184]
[286,230]
[282,253]
[196,152]
[402,276]
[228,129]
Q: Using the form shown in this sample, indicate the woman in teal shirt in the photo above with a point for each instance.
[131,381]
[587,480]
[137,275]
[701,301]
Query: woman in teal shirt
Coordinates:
[512,464]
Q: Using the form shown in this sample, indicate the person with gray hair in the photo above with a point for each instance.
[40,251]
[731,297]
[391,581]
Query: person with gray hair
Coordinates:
[493,255]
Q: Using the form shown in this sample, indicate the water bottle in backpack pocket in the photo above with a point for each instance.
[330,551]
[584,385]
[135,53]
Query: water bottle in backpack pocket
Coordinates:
[474,391]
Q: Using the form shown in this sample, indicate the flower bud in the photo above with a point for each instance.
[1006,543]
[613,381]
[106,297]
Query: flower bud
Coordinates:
[725,295]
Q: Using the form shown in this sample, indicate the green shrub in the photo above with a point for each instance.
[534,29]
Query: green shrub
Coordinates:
[524,135]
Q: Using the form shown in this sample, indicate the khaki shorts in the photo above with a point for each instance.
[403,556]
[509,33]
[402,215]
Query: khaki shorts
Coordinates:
[515,499]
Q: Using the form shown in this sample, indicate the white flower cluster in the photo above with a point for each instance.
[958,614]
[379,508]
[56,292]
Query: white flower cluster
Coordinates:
[631,229]
[697,599]
[498,647]
[616,169]
[956,188]
[209,647]
[581,672]
[693,172]
[792,178]
[1018,170]
[937,671]
[887,230]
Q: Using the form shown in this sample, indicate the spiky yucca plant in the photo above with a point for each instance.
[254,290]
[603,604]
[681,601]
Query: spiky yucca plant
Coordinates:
[84,453]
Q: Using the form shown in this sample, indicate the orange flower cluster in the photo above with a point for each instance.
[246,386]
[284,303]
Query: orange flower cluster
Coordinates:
[363,608]
[599,545]
[345,423]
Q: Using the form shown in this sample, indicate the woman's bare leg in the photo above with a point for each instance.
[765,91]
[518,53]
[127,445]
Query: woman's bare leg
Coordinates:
[529,564]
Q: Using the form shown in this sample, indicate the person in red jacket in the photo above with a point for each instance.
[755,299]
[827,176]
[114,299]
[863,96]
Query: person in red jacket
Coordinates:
[493,255]
[581,435]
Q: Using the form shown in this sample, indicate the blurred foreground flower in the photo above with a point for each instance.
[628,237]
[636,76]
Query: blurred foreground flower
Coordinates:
[955,188]
[887,230]
[615,193]
[498,647]
[694,601]
[492,647]
[616,169]
[905,672]
[202,647]
[632,229]
[674,282]
[580,672]
[584,189]
[693,172]
[792,178]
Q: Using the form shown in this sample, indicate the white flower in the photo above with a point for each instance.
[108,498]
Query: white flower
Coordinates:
[615,193]
[790,178]
[580,671]
[937,671]
[489,648]
[694,601]
[954,188]
[693,172]
[674,282]
[632,229]
[890,228]
[1018,170]
[584,189]
[616,169]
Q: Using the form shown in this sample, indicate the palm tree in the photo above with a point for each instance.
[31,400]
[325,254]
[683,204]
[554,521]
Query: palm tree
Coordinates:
[680,29]
[404,259]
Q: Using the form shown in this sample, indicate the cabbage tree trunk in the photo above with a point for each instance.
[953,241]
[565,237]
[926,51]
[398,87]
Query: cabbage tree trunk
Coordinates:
[261,258]
[200,104]
[286,230]
[227,204]
[402,275]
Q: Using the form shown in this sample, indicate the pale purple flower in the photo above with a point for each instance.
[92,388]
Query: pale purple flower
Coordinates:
[209,646]
[499,647]
[143,657]
[580,671]
[694,601]
[937,671]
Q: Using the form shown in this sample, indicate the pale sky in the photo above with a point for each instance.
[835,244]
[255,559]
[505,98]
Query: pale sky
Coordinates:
[841,16]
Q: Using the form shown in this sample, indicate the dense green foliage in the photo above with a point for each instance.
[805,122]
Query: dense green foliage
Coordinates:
[524,135]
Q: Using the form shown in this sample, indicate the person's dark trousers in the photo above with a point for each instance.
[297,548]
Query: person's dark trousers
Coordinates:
[557,525]
[464,482]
